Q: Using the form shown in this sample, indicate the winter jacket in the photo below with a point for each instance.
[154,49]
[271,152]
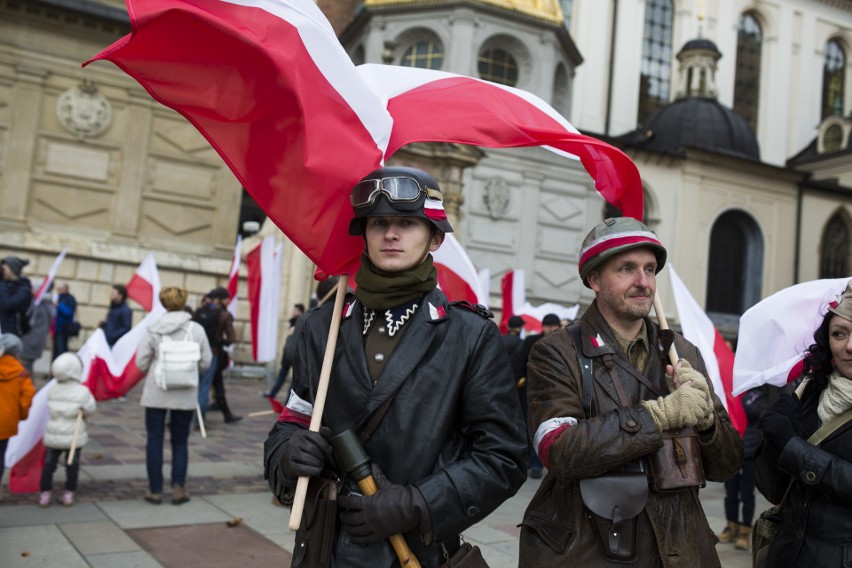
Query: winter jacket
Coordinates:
[176,325]
[15,299]
[119,320]
[66,398]
[66,306]
[817,527]
[454,429]
[16,395]
[557,529]
[35,339]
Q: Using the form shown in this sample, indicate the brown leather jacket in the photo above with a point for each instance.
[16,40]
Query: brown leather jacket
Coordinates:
[557,530]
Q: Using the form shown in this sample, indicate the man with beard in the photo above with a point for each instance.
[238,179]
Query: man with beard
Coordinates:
[601,402]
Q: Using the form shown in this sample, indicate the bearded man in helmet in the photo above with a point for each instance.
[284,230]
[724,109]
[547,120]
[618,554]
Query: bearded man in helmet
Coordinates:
[601,401]
[450,446]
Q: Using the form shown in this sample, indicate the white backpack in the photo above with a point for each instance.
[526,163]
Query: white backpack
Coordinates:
[177,363]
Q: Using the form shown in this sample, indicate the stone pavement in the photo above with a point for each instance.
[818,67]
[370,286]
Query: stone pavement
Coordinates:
[230,520]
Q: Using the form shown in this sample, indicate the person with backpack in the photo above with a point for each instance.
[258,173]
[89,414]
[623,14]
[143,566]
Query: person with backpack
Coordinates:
[218,324]
[16,296]
[175,326]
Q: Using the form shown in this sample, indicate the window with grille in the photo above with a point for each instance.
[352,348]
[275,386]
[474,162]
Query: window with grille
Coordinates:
[655,78]
[424,54]
[834,259]
[833,79]
[832,139]
[747,79]
[499,66]
[735,267]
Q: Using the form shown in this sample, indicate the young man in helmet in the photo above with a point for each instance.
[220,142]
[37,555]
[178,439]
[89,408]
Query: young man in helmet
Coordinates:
[598,505]
[451,444]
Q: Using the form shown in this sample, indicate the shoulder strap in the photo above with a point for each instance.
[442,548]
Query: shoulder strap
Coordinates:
[376,417]
[585,368]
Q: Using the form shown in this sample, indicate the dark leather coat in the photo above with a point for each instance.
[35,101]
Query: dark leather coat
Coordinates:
[557,528]
[817,527]
[454,429]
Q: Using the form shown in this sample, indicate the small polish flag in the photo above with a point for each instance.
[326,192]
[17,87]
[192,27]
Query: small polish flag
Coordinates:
[264,290]
[234,278]
[51,274]
[513,285]
[144,287]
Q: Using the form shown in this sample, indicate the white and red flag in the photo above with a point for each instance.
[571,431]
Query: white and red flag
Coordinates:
[485,287]
[51,275]
[776,332]
[234,278]
[264,292]
[698,328]
[274,118]
[144,286]
[513,287]
[25,452]
[533,315]
[457,277]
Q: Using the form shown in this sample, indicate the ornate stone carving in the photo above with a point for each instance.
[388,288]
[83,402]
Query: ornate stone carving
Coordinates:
[84,111]
[496,197]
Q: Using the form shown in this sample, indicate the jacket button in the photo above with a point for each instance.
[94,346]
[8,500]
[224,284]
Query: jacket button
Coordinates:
[810,476]
[630,424]
[378,357]
[472,511]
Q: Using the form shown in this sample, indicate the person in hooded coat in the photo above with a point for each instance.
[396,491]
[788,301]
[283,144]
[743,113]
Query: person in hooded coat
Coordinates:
[67,399]
[16,393]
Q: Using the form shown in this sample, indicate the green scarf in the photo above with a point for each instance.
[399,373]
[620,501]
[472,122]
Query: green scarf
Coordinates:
[381,290]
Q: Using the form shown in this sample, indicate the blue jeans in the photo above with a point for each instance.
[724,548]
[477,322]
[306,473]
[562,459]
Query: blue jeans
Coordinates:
[60,344]
[205,381]
[155,426]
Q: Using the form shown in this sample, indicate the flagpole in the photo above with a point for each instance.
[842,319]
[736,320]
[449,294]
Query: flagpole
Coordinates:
[74,437]
[319,401]
[664,324]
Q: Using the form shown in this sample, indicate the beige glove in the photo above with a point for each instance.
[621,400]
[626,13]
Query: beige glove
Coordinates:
[684,372]
[686,406]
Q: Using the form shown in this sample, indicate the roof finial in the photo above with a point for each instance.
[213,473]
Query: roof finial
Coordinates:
[700,18]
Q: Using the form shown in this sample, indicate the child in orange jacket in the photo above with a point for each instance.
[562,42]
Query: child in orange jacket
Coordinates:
[16,393]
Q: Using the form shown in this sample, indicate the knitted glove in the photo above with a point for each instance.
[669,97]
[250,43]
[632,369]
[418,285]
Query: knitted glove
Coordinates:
[684,372]
[686,406]
[394,509]
[305,454]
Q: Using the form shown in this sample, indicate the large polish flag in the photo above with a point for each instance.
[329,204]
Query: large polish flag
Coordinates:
[513,287]
[144,286]
[234,278]
[457,277]
[264,295]
[51,275]
[776,332]
[698,328]
[25,452]
[270,87]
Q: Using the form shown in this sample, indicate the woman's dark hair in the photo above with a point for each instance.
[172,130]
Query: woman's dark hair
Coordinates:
[818,356]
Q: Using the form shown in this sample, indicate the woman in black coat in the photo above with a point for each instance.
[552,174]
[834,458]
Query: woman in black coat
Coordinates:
[817,526]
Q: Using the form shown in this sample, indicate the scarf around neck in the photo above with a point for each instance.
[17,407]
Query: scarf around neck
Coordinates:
[836,398]
[382,290]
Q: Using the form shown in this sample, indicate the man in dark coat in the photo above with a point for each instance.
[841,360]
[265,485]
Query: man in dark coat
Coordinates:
[595,507]
[66,307]
[450,447]
[512,339]
[218,324]
[16,296]
[119,318]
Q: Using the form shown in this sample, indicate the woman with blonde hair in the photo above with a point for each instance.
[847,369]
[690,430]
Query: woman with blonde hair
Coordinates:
[176,325]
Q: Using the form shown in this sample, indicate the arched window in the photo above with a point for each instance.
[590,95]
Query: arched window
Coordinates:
[499,66]
[561,90]
[424,54]
[833,79]
[747,80]
[655,78]
[735,268]
[834,248]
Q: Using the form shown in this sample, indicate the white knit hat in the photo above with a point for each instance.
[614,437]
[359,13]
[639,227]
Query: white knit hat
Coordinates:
[67,367]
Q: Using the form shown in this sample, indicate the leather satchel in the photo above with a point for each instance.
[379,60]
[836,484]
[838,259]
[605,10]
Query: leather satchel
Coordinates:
[615,500]
[315,537]
[678,463]
[466,556]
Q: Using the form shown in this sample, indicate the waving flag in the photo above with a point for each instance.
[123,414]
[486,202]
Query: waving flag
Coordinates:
[513,287]
[718,357]
[533,315]
[25,452]
[485,287]
[264,289]
[776,332]
[271,88]
[457,277]
[51,274]
[234,278]
[144,286]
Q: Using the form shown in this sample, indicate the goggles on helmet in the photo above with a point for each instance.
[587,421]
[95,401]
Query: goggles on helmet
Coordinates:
[403,191]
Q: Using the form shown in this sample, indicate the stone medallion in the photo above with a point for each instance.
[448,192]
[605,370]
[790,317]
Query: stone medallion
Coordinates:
[496,197]
[84,111]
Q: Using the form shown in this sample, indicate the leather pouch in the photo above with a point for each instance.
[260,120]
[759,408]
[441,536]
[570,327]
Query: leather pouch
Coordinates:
[614,500]
[466,556]
[678,463]
[315,537]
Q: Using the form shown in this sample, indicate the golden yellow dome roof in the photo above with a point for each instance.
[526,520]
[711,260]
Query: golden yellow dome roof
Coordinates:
[547,10]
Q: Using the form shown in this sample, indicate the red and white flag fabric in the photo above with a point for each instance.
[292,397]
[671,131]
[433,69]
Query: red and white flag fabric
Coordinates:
[698,328]
[533,315]
[274,120]
[457,277]
[485,287]
[144,286]
[51,275]
[234,278]
[25,452]
[264,293]
[513,288]
[776,332]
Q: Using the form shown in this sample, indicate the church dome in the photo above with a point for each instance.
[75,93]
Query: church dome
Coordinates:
[547,10]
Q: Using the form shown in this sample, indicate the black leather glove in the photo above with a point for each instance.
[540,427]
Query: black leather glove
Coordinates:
[787,405]
[777,428]
[394,509]
[305,454]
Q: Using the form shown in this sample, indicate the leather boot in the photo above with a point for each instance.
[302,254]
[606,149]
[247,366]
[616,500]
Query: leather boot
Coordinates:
[230,418]
[743,538]
[179,495]
[729,534]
